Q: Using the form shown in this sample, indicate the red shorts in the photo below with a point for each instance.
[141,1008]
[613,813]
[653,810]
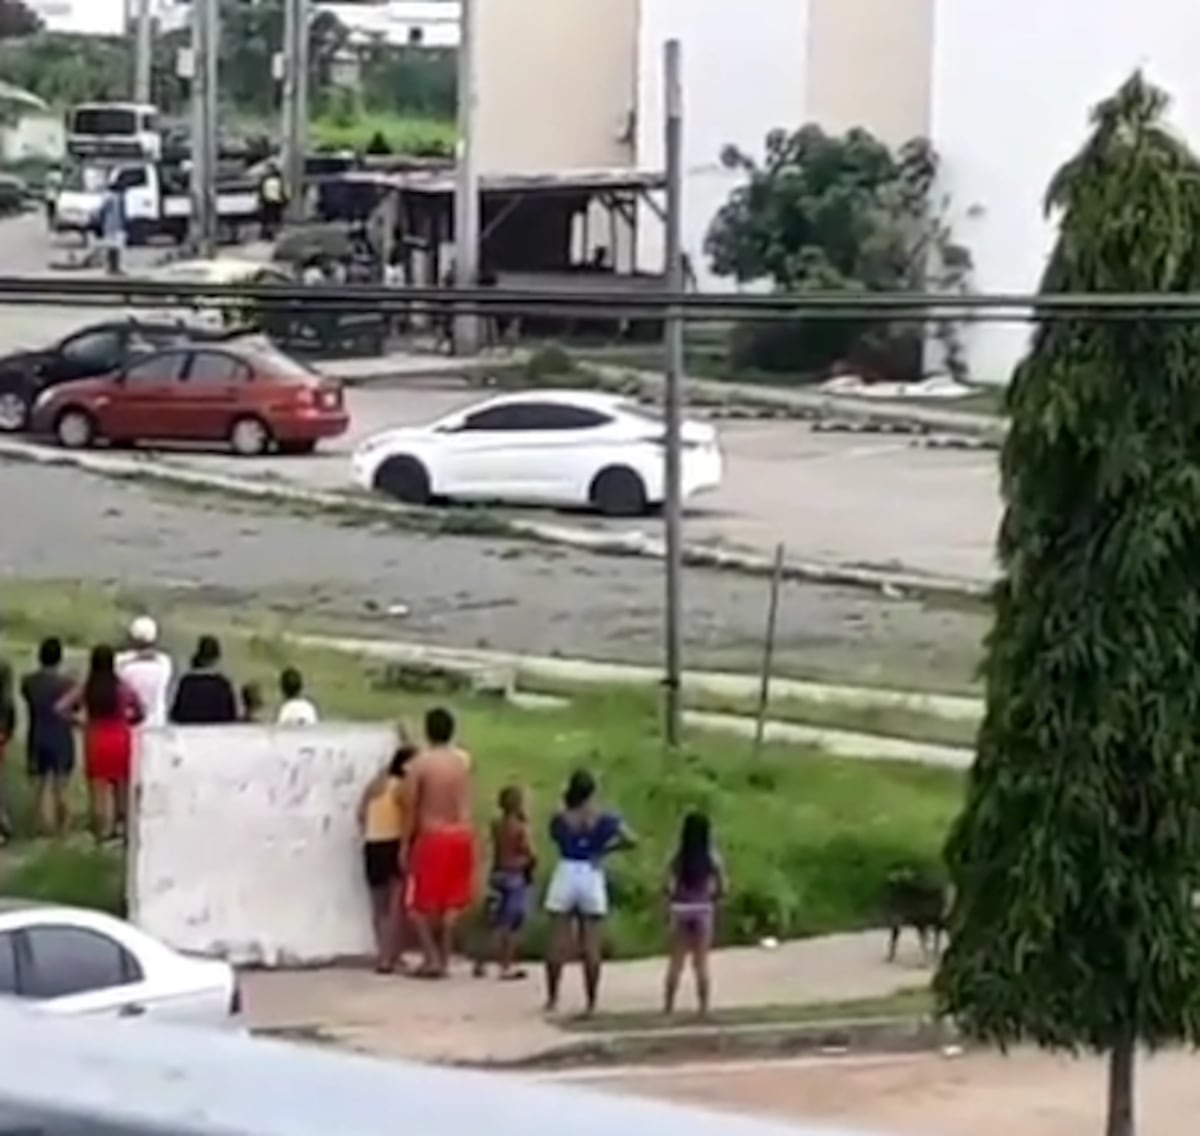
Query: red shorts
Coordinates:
[441,871]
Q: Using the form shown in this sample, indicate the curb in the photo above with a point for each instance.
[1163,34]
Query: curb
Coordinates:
[874,1036]
[894,585]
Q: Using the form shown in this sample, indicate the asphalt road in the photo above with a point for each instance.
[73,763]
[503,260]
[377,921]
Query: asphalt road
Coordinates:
[980,1095]
[464,591]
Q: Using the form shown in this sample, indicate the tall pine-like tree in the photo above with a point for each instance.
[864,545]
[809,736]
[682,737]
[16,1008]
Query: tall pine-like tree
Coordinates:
[1077,856]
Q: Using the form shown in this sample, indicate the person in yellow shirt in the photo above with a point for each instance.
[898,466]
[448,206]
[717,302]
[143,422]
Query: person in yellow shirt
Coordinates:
[384,820]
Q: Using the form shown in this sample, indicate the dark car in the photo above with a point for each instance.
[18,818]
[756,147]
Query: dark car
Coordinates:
[98,349]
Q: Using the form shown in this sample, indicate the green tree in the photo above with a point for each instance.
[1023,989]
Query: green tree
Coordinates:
[1076,859]
[825,212]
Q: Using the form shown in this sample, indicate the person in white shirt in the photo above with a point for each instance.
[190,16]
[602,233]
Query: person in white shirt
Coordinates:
[296,709]
[147,670]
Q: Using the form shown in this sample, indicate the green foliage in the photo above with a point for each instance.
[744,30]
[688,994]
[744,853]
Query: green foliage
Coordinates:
[17,19]
[838,213]
[1077,857]
[549,364]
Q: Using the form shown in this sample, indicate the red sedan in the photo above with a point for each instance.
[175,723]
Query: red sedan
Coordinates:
[248,395]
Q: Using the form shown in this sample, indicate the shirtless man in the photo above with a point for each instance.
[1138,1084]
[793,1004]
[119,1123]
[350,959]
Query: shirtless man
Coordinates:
[442,857]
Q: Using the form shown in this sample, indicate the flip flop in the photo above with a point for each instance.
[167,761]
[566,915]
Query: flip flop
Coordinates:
[513,975]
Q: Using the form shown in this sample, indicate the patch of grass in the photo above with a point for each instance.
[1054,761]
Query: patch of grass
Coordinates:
[917,1002]
[881,721]
[75,872]
[406,134]
[809,839]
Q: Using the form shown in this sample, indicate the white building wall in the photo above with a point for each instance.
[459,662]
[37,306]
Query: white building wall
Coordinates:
[743,76]
[81,17]
[246,843]
[1012,87]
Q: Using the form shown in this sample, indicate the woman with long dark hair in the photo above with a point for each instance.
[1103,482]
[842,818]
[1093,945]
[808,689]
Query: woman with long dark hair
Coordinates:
[695,884]
[109,710]
[577,896]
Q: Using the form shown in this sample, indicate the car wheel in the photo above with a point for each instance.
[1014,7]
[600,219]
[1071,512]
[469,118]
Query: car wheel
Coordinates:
[75,429]
[249,437]
[14,412]
[405,479]
[619,492]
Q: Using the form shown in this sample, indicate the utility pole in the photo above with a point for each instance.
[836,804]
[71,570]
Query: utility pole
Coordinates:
[144,39]
[466,193]
[294,69]
[206,38]
[673,350]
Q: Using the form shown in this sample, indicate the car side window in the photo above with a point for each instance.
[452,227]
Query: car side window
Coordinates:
[560,416]
[215,368]
[8,963]
[156,369]
[74,960]
[495,418]
[93,351]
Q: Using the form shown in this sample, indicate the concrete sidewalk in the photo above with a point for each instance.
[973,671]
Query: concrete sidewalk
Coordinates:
[480,1020]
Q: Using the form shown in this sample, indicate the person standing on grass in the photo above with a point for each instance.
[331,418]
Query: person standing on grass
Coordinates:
[8,727]
[442,853]
[695,885]
[110,711]
[509,884]
[205,697]
[50,740]
[147,670]
[384,820]
[577,897]
[297,710]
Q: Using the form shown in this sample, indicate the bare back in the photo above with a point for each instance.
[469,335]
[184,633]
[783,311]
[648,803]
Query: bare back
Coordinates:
[441,786]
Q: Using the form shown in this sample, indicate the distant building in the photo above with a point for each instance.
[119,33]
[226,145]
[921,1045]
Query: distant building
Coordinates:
[81,17]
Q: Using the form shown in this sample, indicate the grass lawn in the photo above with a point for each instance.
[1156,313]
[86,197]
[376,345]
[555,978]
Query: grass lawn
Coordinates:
[405,134]
[809,839]
[917,1002]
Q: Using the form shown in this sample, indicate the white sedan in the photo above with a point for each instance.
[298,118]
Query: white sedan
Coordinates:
[551,447]
[69,961]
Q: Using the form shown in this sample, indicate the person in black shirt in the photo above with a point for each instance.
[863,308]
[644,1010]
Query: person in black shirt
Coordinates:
[205,697]
[50,742]
[8,726]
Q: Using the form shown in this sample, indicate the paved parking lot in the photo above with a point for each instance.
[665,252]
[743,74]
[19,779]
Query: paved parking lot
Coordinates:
[834,498]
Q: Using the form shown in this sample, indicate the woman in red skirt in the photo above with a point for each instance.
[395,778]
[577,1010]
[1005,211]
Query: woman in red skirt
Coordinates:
[109,710]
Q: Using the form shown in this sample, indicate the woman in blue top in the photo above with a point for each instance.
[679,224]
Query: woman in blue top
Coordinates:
[577,897]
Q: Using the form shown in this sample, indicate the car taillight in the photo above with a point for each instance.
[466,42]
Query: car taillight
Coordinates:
[322,398]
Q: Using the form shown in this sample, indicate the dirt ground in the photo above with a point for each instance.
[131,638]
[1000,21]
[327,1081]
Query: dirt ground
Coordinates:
[1027,1094]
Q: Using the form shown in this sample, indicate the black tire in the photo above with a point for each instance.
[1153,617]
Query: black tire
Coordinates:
[249,436]
[138,234]
[15,405]
[619,492]
[75,428]
[405,479]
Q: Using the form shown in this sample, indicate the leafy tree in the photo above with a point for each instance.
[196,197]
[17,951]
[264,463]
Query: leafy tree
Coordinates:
[16,20]
[1076,860]
[826,213]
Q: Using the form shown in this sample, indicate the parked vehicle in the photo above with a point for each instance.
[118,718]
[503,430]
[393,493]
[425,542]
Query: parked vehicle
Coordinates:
[243,392]
[157,200]
[97,349]
[565,448]
[72,962]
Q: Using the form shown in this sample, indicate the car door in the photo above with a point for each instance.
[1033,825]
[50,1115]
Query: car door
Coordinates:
[144,402]
[73,970]
[214,386]
[477,457]
[552,457]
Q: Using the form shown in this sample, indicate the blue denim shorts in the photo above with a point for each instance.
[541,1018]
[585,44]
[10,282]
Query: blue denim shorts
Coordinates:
[508,900]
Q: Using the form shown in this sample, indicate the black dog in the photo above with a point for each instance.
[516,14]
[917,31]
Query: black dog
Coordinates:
[914,899]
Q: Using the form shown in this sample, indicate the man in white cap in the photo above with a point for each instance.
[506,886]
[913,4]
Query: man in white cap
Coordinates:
[147,670]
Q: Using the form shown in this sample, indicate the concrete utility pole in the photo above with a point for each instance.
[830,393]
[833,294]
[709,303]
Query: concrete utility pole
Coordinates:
[467,225]
[294,66]
[673,348]
[144,39]
[206,39]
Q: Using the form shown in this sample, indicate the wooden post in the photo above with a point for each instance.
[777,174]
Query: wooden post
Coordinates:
[764,690]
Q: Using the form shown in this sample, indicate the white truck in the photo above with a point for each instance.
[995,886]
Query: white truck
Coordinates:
[157,201]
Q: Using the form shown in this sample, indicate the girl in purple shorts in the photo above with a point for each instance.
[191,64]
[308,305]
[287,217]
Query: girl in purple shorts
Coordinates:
[695,884]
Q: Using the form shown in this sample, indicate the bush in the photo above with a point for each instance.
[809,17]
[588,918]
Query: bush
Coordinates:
[549,363]
[77,874]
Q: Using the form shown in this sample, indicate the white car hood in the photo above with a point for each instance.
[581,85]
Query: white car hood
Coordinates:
[396,437]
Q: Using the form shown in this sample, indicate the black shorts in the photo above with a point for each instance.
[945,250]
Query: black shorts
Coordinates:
[381,862]
[51,760]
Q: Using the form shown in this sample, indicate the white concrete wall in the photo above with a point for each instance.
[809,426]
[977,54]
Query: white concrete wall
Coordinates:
[1013,84]
[246,843]
[743,76]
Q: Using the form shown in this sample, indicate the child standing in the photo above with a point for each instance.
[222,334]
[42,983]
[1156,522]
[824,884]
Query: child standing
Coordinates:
[695,884]
[510,883]
[383,817]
